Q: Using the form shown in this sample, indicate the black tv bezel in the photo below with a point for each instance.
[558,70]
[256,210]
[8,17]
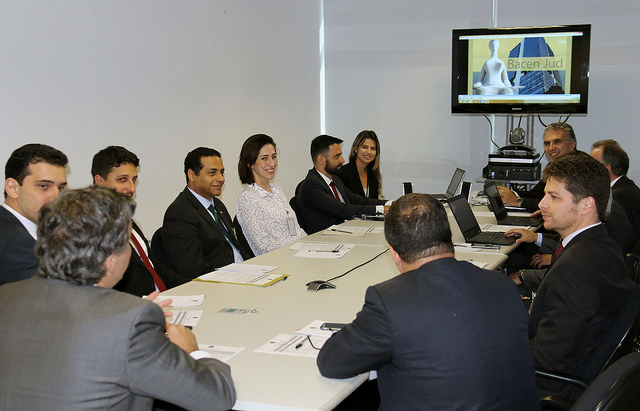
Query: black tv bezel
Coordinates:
[579,72]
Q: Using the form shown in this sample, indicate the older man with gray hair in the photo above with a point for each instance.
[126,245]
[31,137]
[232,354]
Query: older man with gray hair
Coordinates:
[71,342]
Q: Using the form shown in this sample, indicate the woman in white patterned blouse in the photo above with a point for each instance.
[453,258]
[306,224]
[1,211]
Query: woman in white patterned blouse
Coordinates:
[264,214]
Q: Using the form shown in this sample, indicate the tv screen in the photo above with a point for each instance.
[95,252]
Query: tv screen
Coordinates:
[532,70]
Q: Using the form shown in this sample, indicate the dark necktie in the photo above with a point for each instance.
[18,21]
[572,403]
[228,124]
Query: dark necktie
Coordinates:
[220,223]
[143,256]
[556,253]
[335,191]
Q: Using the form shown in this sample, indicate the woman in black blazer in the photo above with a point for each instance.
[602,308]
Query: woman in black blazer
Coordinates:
[362,174]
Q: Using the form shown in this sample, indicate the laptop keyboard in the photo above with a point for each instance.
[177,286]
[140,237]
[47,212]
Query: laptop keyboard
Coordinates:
[491,237]
[515,220]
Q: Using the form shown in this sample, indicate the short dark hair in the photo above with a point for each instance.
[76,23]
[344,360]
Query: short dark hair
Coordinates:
[583,176]
[193,160]
[17,166]
[321,144]
[613,155]
[108,158]
[562,126]
[417,226]
[79,230]
[249,154]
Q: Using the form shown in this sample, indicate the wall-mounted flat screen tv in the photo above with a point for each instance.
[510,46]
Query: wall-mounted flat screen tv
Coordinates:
[533,70]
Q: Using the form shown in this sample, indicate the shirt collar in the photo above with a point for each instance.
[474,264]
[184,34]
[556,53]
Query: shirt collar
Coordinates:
[326,179]
[571,236]
[29,225]
[205,203]
[615,181]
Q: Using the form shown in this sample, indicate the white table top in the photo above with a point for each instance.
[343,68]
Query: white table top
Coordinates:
[269,381]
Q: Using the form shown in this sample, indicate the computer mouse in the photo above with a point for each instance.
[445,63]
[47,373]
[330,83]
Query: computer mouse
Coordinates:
[319,285]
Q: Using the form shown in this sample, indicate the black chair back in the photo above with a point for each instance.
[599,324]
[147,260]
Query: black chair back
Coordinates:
[616,389]
[241,238]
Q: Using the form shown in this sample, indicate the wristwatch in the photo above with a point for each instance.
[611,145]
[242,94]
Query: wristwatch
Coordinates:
[519,201]
[521,276]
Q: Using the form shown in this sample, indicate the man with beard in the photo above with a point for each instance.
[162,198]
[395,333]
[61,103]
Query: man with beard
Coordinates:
[322,198]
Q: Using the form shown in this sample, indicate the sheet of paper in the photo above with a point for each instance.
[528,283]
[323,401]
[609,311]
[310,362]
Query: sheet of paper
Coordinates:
[242,278]
[185,317]
[347,230]
[220,352]
[248,268]
[182,300]
[297,345]
[321,250]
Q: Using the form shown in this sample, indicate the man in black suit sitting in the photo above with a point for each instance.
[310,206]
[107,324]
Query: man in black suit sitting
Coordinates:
[197,234]
[444,334]
[624,190]
[116,167]
[34,175]
[587,282]
[322,198]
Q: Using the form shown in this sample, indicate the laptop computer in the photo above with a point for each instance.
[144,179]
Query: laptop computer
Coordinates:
[458,175]
[469,225]
[500,211]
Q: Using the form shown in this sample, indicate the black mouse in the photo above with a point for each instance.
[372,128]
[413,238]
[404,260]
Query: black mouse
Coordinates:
[319,285]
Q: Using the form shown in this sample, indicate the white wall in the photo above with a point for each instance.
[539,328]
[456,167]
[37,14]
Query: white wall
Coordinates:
[164,76]
[389,69]
[160,77]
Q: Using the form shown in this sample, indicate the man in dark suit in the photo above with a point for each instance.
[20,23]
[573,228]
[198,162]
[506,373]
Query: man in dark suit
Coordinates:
[34,175]
[587,281]
[623,189]
[444,334]
[117,168]
[71,342]
[559,138]
[197,233]
[322,198]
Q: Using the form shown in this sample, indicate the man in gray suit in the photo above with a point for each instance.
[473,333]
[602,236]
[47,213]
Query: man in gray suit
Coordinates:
[71,342]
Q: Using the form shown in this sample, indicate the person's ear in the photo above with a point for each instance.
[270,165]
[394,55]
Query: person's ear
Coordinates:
[586,205]
[97,179]
[11,187]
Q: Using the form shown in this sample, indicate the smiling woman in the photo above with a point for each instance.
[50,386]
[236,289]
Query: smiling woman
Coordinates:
[263,212]
[362,174]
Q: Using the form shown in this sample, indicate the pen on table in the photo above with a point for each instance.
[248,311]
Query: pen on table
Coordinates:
[340,231]
[323,251]
[299,345]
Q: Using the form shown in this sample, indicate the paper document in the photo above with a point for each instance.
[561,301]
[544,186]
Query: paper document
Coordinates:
[298,345]
[185,317]
[321,250]
[220,352]
[248,268]
[182,300]
[233,277]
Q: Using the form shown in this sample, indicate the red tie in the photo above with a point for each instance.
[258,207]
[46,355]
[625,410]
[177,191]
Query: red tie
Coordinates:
[156,278]
[556,253]
[335,192]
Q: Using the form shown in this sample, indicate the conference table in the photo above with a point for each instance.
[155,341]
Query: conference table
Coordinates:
[269,381]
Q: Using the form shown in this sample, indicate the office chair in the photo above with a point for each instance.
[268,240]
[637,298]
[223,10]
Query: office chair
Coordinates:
[616,389]
[294,206]
[633,262]
[158,248]
[617,342]
[240,236]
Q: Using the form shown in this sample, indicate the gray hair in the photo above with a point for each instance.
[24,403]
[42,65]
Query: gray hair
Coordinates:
[79,230]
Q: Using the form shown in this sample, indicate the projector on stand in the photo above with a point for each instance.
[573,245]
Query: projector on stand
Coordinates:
[513,162]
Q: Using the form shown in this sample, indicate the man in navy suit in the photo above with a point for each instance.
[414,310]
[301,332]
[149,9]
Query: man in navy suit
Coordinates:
[117,168]
[623,189]
[197,234]
[322,198]
[34,175]
[587,281]
[444,334]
